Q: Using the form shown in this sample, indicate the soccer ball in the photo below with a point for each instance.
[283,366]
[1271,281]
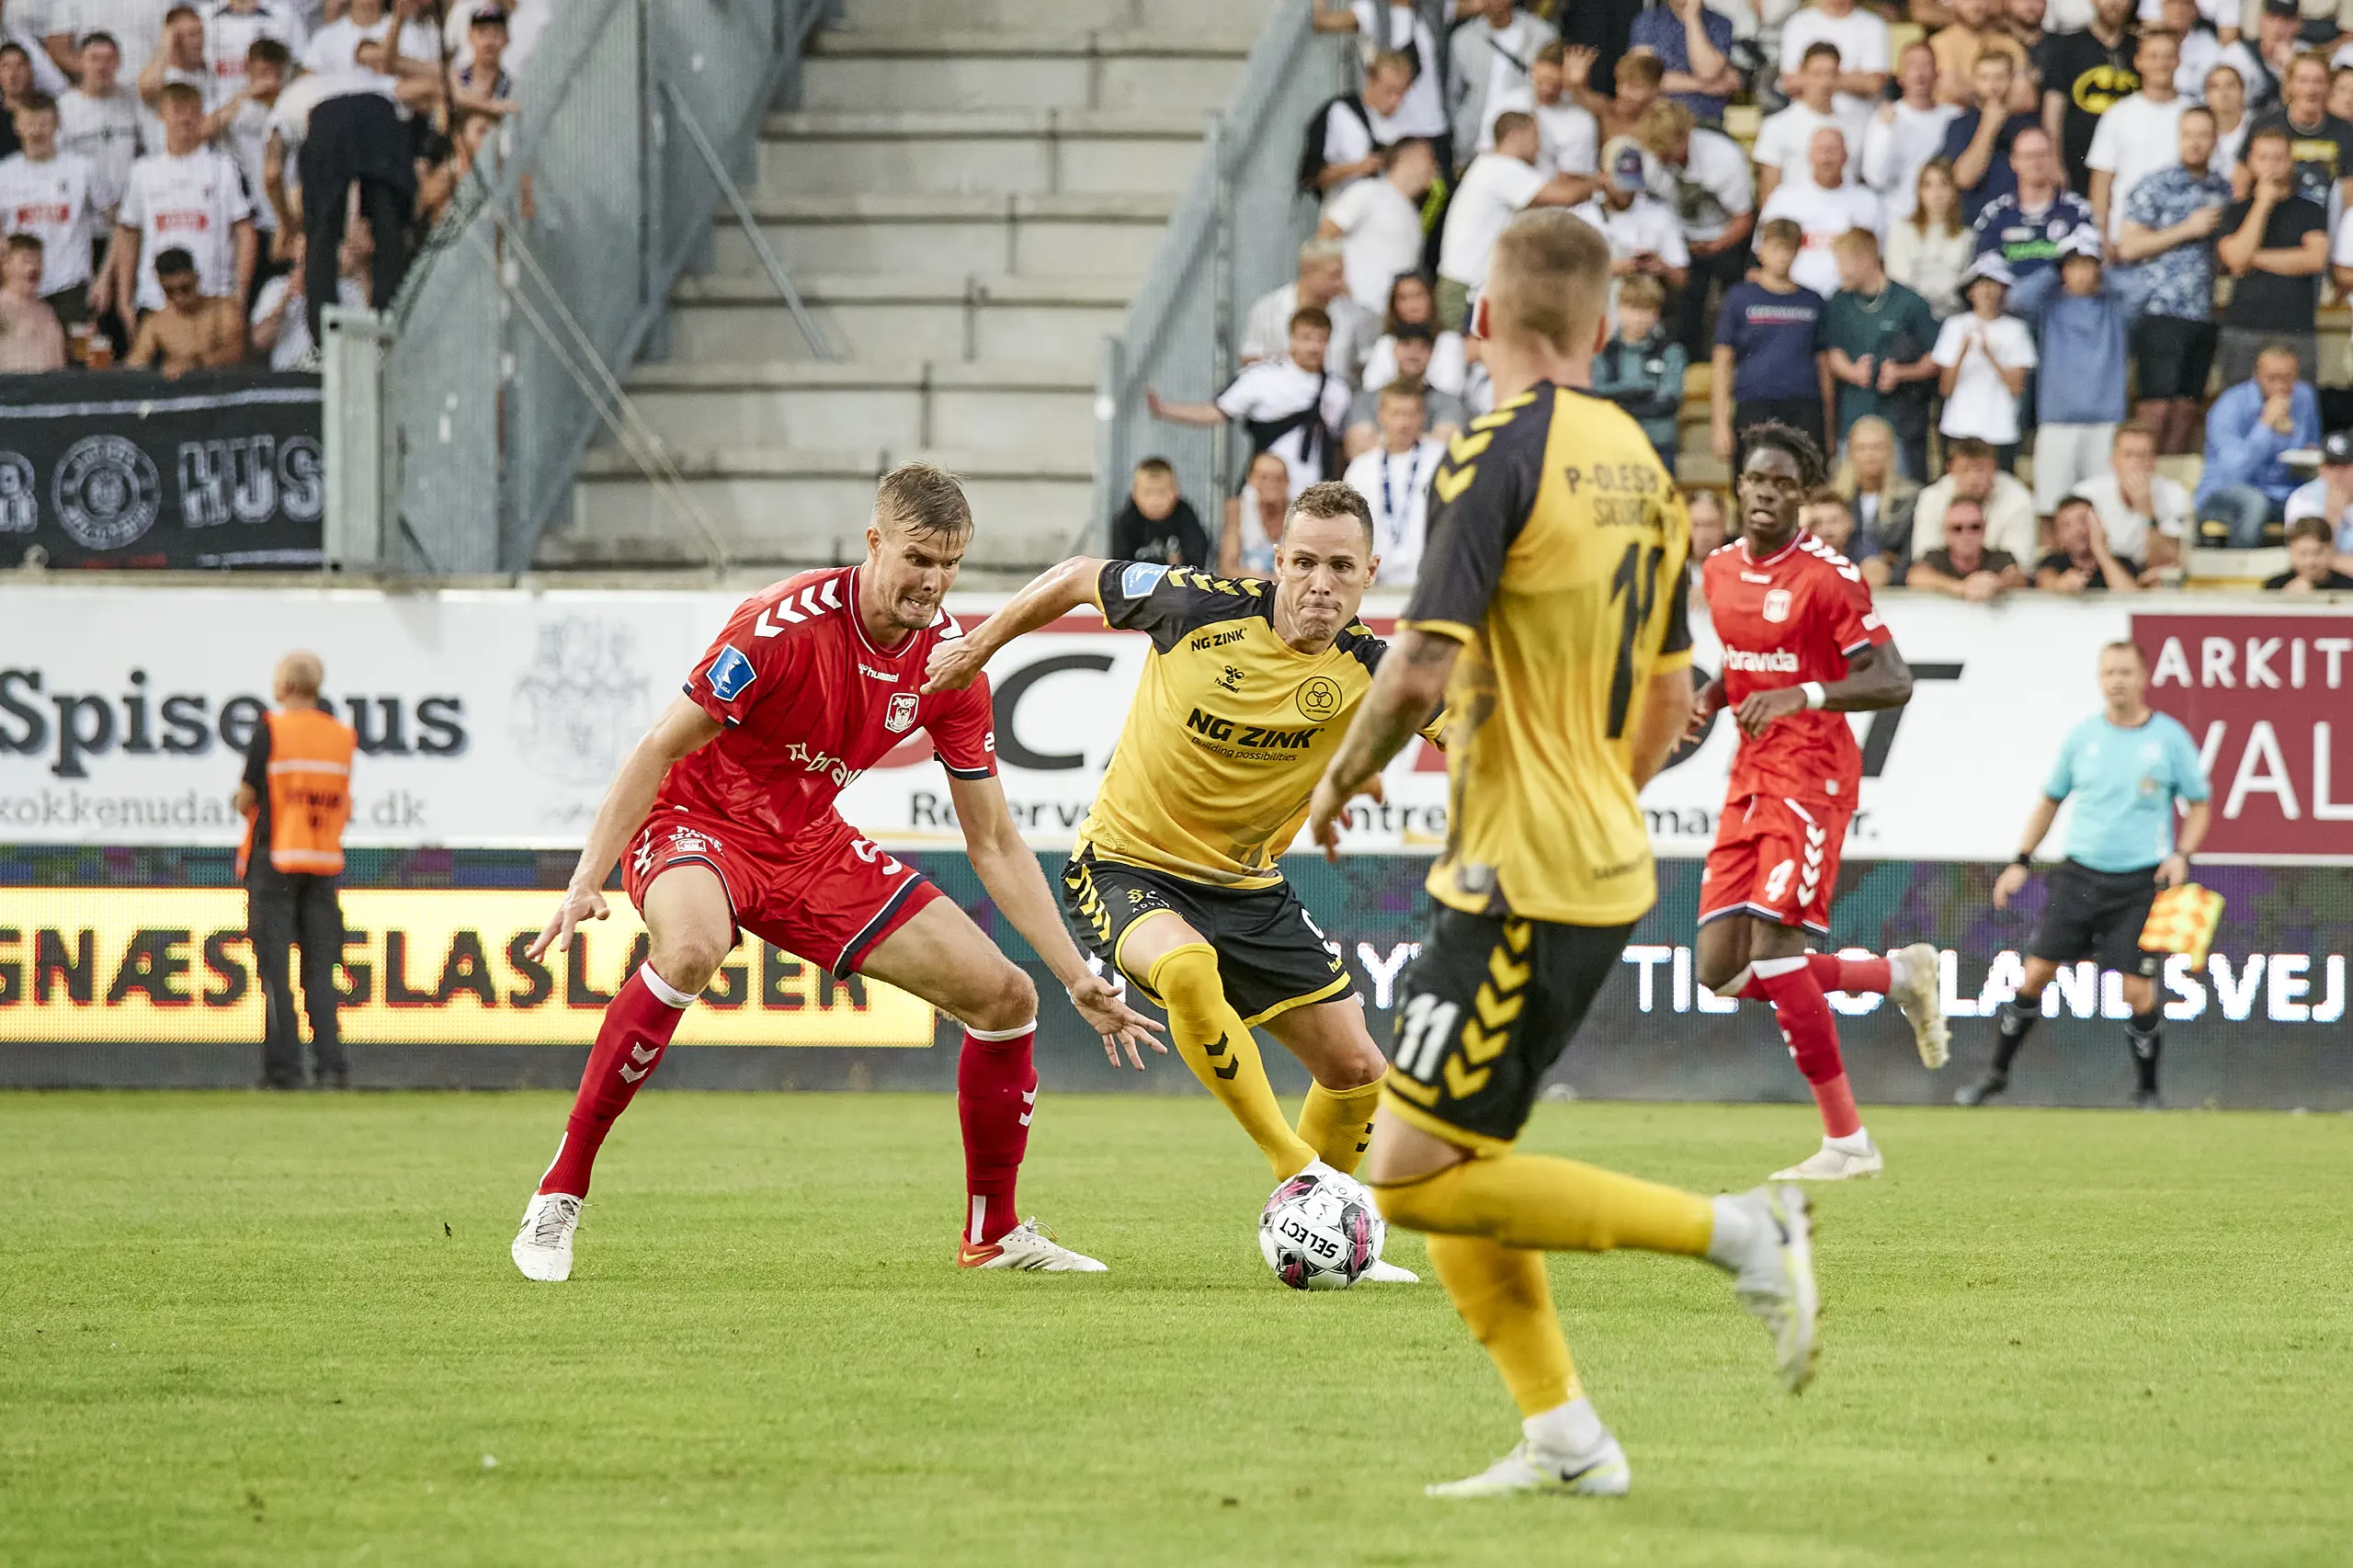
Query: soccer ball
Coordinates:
[1321,1231]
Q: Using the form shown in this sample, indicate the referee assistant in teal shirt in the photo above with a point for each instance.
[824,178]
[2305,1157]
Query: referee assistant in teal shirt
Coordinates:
[2124,770]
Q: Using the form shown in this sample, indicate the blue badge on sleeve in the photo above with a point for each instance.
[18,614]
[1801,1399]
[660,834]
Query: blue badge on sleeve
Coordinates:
[730,674]
[1141,579]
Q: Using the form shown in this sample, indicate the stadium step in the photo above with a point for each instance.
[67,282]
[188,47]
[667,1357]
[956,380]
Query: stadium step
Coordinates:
[930,69]
[1044,323]
[1031,152]
[910,14]
[938,234]
[981,407]
[802,506]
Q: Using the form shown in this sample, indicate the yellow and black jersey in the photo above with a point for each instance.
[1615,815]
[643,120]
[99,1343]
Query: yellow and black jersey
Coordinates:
[1556,551]
[1230,729]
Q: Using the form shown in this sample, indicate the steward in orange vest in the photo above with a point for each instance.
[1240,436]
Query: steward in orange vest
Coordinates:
[296,796]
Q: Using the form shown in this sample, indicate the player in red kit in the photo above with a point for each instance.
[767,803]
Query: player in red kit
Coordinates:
[726,813]
[1802,649]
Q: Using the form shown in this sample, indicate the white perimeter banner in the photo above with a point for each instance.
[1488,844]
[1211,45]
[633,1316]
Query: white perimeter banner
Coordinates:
[496,718]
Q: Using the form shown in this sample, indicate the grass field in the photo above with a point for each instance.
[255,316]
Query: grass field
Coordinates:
[238,1329]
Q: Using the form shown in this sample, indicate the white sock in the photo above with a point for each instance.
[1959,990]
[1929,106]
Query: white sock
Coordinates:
[1734,1235]
[1856,1143]
[1573,1429]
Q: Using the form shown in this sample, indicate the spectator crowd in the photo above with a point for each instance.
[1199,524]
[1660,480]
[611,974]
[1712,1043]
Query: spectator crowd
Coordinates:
[2009,260]
[187,186]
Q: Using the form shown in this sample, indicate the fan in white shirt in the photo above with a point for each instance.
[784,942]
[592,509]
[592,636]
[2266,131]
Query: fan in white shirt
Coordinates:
[1292,407]
[1642,231]
[1353,141]
[2139,134]
[1493,189]
[1568,137]
[1860,38]
[1394,480]
[1378,223]
[46,193]
[336,47]
[1824,208]
[1400,28]
[1783,140]
[179,58]
[231,29]
[1321,283]
[1904,136]
[2147,514]
[189,196]
[1985,357]
[99,120]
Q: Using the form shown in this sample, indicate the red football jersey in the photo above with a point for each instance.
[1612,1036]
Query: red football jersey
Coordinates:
[810,703]
[1794,616]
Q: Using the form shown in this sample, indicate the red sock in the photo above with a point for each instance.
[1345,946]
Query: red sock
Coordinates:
[1789,985]
[1856,977]
[996,1088]
[639,1022]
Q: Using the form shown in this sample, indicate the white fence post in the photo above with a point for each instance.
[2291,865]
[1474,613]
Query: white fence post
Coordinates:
[361,473]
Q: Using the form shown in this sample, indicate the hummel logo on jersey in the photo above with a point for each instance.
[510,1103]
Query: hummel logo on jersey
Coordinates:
[814,600]
[872,674]
[1780,660]
[1231,680]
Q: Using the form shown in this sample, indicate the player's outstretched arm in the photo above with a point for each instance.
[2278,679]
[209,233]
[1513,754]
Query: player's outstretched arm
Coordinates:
[1666,715]
[683,727]
[1009,872]
[1876,677]
[1406,689]
[1054,594]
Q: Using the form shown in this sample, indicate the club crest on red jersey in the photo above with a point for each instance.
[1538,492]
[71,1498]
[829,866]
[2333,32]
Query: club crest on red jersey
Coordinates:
[902,715]
[1776,604]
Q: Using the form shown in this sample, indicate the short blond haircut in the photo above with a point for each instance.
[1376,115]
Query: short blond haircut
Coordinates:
[1642,292]
[301,674]
[1548,280]
[1664,125]
[922,499]
[1857,242]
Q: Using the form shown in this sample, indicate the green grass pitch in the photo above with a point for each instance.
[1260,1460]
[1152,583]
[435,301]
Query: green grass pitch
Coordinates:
[239,1329]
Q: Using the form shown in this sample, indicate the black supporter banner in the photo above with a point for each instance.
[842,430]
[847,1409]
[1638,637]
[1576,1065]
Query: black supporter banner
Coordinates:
[125,468]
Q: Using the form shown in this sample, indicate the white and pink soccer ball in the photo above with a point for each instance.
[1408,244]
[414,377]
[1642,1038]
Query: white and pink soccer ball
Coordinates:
[1321,1231]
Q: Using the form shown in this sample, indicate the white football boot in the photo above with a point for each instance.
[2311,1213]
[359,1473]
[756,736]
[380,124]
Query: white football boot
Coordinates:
[1915,988]
[542,1248]
[1600,1473]
[1763,1236]
[1830,1162]
[1029,1246]
[1386,1273]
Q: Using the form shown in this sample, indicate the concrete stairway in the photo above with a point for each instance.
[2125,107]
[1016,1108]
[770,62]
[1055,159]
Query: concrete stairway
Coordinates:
[967,197]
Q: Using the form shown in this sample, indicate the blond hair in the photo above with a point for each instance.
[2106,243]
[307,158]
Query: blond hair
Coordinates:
[1548,279]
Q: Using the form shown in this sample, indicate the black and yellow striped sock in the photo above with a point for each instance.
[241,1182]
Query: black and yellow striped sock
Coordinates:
[1338,1123]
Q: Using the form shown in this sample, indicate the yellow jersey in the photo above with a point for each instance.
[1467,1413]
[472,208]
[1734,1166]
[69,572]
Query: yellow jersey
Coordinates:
[1557,542]
[1230,729]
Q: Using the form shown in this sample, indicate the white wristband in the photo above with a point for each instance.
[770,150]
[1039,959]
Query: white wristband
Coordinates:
[1814,695]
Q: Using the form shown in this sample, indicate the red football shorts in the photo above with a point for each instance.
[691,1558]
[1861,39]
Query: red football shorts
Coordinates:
[1777,859]
[827,894]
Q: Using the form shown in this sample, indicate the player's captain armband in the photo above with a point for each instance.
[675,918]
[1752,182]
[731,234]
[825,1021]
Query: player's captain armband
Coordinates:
[1141,579]
[2183,920]
[730,674]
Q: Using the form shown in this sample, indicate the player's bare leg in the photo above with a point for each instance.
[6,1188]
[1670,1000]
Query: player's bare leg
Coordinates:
[940,955]
[1331,1042]
[691,928]
[1490,1218]
[1168,958]
[1756,960]
[2016,1017]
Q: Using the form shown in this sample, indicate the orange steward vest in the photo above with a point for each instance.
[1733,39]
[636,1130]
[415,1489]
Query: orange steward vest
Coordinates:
[309,792]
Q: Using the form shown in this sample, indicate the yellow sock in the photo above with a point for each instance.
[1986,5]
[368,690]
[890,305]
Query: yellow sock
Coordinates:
[1208,1033]
[1338,1123]
[1507,1303]
[1548,1205]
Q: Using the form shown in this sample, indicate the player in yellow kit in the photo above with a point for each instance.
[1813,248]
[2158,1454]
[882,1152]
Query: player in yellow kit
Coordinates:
[1247,690]
[1550,613]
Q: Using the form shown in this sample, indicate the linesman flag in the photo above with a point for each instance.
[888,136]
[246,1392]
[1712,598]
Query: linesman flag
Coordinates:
[2183,920]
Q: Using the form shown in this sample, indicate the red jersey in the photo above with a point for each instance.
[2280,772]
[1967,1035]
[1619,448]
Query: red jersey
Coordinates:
[1795,616]
[809,702]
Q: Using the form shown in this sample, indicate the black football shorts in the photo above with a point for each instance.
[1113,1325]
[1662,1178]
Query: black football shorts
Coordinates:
[2098,914]
[1270,954]
[1484,1013]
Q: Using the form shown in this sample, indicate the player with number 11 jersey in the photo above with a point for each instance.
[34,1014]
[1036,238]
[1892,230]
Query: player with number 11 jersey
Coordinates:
[1802,648]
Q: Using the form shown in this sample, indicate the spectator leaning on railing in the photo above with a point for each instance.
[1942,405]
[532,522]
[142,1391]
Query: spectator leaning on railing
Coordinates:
[2146,515]
[2245,485]
[1962,567]
[2328,497]
[2081,559]
[1972,474]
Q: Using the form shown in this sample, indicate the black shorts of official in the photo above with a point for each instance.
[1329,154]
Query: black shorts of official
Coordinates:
[1482,1016]
[2172,356]
[2098,914]
[1270,954]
